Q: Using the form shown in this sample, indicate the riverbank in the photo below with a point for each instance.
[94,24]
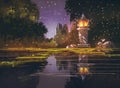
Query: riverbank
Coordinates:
[54,50]
[13,57]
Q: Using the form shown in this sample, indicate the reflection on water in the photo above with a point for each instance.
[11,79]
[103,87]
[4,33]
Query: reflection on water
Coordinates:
[65,72]
[56,73]
[17,78]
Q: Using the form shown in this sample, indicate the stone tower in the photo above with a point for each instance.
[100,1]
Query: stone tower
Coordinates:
[83,27]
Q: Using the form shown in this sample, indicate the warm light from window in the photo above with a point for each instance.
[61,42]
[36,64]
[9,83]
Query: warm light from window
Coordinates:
[83,23]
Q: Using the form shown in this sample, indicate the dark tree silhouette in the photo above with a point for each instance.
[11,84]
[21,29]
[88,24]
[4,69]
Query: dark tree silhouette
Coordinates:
[61,35]
[19,8]
[19,20]
[103,14]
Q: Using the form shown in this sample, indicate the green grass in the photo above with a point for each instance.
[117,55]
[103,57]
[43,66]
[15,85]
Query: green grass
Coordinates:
[23,60]
[44,53]
[15,63]
[10,63]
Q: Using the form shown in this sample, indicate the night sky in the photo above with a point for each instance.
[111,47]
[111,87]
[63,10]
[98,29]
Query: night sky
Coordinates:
[51,13]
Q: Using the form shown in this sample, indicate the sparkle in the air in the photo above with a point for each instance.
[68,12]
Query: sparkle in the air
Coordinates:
[52,12]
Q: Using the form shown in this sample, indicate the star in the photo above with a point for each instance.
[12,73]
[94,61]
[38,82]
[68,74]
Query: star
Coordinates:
[52,12]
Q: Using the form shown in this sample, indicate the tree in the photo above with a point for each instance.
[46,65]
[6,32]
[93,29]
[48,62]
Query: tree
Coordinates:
[72,36]
[19,9]
[61,34]
[18,21]
[109,31]
[20,28]
[65,28]
[102,14]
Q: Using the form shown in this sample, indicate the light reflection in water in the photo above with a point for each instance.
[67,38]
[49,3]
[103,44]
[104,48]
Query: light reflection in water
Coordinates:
[59,71]
[75,72]
[83,70]
[53,81]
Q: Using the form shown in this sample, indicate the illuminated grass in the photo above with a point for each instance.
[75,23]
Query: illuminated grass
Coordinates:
[31,57]
[97,51]
[17,63]
[44,53]
[10,63]
[23,60]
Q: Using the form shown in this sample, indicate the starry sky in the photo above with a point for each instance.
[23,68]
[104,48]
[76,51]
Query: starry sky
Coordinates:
[51,13]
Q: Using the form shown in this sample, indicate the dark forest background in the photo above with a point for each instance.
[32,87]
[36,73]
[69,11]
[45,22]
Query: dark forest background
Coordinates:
[19,25]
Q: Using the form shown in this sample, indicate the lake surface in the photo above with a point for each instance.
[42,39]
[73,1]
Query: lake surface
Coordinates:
[81,71]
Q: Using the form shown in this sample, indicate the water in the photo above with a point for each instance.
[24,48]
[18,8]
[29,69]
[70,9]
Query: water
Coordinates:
[65,72]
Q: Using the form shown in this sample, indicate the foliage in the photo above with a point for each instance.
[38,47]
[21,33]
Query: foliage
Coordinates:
[94,10]
[20,28]
[61,34]
[103,14]
[19,23]
[72,37]
[109,31]
[19,9]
